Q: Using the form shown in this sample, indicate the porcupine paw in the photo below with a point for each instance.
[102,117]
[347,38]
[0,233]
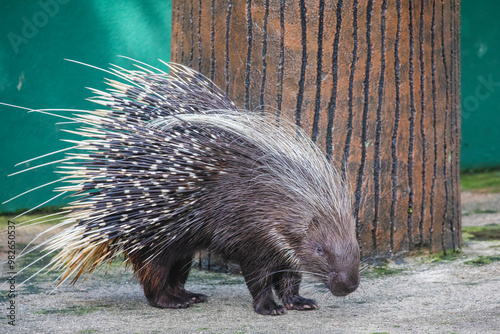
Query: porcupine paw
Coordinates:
[172,301]
[269,307]
[196,297]
[300,303]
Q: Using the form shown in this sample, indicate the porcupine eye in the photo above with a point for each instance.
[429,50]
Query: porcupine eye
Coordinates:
[319,250]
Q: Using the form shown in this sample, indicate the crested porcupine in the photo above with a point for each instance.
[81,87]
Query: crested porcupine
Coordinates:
[171,166]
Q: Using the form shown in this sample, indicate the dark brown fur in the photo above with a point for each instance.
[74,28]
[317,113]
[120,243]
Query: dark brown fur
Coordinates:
[238,216]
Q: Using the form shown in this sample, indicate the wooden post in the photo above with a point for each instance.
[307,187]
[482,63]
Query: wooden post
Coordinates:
[375,82]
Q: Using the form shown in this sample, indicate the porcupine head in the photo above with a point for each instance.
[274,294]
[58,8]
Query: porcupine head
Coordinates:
[171,166]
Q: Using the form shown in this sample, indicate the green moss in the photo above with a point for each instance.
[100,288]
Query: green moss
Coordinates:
[87,331]
[480,211]
[489,181]
[483,260]
[451,256]
[483,233]
[72,310]
[382,271]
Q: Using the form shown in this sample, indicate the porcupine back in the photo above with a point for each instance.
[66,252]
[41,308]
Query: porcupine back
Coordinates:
[148,174]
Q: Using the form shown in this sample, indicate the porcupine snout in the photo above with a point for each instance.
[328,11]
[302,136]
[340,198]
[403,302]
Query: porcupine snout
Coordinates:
[344,278]
[343,283]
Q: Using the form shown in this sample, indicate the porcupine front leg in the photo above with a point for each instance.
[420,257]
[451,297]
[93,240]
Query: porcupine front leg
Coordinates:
[163,281]
[260,283]
[287,285]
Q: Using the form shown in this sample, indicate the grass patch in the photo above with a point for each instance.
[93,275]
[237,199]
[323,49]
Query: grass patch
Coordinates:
[481,233]
[483,260]
[451,256]
[73,310]
[479,211]
[488,181]
[382,270]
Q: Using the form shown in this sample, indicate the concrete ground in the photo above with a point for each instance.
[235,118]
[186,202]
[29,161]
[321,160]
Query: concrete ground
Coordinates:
[454,294]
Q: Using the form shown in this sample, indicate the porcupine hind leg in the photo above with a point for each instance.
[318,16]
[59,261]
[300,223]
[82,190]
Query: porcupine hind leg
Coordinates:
[260,283]
[180,273]
[163,281]
[287,285]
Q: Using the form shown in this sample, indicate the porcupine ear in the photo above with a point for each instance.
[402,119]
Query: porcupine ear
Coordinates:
[317,228]
[313,223]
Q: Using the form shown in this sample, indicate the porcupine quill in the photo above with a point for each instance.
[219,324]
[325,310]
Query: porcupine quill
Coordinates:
[171,166]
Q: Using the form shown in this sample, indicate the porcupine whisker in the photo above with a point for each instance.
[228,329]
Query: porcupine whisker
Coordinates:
[292,270]
[258,281]
[310,289]
[285,270]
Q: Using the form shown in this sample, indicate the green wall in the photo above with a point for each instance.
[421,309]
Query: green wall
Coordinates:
[36,37]
[480,49]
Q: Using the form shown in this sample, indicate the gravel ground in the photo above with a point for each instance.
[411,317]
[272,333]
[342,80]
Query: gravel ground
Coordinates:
[419,295]
[480,209]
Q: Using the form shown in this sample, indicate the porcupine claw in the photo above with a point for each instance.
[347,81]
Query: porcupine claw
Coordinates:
[197,297]
[269,307]
[301,304]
